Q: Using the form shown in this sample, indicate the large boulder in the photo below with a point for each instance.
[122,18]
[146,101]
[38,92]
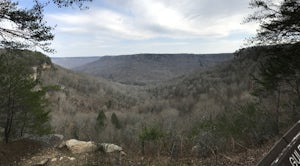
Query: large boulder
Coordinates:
[76,146]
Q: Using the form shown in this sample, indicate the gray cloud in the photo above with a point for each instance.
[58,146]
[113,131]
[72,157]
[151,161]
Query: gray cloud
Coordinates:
[139,20]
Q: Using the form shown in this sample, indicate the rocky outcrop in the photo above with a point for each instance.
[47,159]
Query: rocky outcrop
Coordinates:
[76,146]
[35,73]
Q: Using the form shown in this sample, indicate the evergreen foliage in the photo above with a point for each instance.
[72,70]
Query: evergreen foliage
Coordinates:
[115,121]
[22,109]
[279,23]
[27,27]
[101,120]
[279,69]
[152,133]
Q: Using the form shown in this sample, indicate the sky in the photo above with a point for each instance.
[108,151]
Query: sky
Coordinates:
[118,27]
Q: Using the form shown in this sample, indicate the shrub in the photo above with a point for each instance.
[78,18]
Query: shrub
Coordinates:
[101,120]
[247,125]
[150,134]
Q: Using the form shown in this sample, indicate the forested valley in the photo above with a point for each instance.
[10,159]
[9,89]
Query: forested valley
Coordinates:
[206,114]
[147,109]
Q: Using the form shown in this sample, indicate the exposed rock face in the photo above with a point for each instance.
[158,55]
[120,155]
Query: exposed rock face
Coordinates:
[35,73]
[76,146]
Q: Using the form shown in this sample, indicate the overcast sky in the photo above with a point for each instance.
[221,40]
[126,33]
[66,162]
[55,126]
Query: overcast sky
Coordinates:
[116,27]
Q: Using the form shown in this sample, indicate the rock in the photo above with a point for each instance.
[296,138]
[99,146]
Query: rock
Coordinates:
[71,158]
[43,162]
[123,153]
[53,139]
[195,149]
[109,148]
[54,159]
[62,144]
[76,146]
[56,139]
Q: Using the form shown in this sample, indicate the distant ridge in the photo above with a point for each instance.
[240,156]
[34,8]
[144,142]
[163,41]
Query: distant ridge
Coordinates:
[141,69]
[72,62]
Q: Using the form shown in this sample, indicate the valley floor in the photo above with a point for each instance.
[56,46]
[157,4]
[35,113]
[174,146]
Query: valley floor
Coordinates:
[28,153]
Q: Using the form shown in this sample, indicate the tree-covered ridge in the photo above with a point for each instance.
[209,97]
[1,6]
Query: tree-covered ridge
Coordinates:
[214,107]
[143,69]
[30,58]
[232,107]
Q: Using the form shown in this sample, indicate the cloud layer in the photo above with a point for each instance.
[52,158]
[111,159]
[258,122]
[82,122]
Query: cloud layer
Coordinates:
[134,26]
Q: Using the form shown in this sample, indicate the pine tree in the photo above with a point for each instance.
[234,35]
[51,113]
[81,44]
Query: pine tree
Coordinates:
[279,23]
[279,33]
[101,120]
[21,107]
[28,28]
[280,27]
[115,121]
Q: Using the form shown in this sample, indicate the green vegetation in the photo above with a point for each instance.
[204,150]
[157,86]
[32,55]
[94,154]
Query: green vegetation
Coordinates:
[101,120]
[149,134]
[29,28]
[22,102]
[279,68]
[115,121]
[22,106]
[244,126]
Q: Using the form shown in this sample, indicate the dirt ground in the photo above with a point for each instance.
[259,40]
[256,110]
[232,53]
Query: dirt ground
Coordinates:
[11,153]
[28,153]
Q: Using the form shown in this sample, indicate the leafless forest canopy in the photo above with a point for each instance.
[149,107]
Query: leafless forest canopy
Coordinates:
[213,106]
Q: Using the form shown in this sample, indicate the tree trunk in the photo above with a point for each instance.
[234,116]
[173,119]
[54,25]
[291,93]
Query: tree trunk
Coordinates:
[9,115]
[298,90]
[278,110]
[143,147]
[8,126]
[23,125]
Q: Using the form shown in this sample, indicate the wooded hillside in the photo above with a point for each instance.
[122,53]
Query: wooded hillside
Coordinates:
[143,69]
